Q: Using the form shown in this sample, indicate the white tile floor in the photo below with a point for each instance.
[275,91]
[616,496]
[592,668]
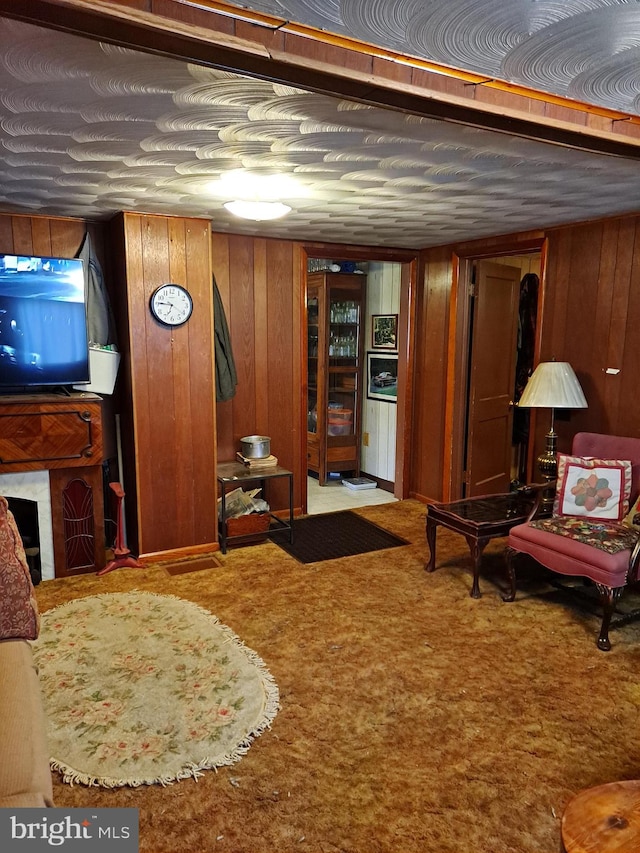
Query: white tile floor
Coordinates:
[334,496]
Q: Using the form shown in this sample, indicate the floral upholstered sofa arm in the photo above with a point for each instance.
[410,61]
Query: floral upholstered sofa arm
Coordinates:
[25,775]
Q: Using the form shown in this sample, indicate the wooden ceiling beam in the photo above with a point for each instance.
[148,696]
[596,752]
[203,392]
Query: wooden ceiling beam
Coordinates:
[128,26]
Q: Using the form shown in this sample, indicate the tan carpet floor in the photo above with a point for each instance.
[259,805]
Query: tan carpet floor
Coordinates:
[413,718]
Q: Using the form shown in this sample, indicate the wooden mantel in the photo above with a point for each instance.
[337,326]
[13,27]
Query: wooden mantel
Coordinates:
[63,435]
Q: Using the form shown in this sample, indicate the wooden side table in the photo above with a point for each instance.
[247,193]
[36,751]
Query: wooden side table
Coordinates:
[479,520]
[605,819]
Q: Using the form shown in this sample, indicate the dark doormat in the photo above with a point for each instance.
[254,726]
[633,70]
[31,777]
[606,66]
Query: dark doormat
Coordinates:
[336,534]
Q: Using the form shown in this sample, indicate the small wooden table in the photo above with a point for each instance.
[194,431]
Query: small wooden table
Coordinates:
[605,819]
[479,520]
[236,474]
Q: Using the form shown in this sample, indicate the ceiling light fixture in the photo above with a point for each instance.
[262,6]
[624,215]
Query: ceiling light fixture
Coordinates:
[239,183]
[257,210]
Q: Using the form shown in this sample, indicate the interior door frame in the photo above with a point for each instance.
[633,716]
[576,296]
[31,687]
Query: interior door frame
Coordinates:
[458,354]
[406,348]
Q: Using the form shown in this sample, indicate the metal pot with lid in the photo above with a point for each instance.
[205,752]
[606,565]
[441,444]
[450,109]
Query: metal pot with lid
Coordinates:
[255,446]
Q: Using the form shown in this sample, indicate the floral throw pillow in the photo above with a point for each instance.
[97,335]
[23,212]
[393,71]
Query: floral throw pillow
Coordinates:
[592,488]
[19,618]
[632,519]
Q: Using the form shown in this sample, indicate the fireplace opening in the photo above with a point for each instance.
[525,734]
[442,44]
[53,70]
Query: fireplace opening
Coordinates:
[25,513]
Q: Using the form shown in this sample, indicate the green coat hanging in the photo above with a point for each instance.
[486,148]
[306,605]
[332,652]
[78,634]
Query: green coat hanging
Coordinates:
[226,376]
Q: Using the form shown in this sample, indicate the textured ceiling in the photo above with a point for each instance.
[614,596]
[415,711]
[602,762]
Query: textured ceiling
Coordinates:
[88,129]
[587,50]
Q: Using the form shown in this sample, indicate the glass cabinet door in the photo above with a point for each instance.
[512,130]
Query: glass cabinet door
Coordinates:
[335,306]
[344,367]
[312,364]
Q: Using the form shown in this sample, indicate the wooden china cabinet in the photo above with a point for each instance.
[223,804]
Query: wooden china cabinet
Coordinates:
[335,352]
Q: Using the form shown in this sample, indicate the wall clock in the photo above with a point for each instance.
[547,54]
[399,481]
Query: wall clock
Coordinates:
[171,304]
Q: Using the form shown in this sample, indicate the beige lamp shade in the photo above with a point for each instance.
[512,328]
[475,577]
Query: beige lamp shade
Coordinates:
[553,385]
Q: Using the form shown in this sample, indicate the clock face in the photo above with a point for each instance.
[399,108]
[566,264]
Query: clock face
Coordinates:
[171,304]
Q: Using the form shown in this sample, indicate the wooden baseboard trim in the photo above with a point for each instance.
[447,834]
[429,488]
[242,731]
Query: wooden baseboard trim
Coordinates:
[177,554]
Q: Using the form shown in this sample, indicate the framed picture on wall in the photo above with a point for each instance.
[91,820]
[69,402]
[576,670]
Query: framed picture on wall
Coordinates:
[384,331]
[382,376]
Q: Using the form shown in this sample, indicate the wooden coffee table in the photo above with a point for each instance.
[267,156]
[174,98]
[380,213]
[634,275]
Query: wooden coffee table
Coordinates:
[605,819]
[479,520]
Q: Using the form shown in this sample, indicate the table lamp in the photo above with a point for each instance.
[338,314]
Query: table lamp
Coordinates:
[552,385]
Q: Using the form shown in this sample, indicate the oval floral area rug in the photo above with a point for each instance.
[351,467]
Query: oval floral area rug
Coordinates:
[140,688]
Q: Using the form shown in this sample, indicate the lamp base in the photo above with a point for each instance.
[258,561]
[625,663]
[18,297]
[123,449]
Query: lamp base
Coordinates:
[548,467]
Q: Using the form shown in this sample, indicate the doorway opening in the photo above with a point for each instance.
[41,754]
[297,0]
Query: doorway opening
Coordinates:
[499,300]
[378,475]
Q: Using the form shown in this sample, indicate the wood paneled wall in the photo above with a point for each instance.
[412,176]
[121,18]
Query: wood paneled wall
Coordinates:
[589,317]
[261,282]
[40,235]
[429,405]
[168,393]
[261,285]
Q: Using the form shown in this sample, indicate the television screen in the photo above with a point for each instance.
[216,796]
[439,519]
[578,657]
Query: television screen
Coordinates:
[43,326]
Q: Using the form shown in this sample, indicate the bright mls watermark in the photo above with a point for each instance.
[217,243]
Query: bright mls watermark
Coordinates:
[69,830]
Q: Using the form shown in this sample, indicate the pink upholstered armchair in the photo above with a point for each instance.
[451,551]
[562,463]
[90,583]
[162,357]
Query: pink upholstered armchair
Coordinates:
[603,550]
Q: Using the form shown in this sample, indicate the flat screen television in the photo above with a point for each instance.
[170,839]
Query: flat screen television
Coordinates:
[43,322]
